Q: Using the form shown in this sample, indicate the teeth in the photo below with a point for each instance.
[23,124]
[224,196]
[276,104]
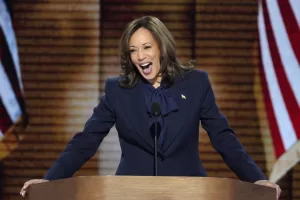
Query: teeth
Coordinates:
[145,64]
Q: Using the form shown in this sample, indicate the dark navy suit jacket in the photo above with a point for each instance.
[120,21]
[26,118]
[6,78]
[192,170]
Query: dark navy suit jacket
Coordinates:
[125,108]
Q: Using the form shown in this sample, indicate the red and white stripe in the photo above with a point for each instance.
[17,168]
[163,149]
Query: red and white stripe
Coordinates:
[11,88]
[279,37]
[8,97]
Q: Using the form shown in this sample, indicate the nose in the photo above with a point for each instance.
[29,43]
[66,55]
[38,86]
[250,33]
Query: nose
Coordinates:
[140,55]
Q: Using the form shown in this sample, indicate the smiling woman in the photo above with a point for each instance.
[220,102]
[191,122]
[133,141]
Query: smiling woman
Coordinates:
[145,55]
[151,74]
[147,47]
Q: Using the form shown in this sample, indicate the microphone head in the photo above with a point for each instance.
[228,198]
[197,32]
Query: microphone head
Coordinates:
[155,109]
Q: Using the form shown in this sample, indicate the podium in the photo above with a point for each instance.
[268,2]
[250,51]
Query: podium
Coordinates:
[149,187]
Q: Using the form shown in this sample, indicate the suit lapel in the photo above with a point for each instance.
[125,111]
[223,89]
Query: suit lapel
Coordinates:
[135,110]
[175,120]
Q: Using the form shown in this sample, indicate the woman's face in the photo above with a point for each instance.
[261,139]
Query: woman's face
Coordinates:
[145,54]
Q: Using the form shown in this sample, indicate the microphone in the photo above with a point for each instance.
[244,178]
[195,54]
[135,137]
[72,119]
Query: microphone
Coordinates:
[155,109]
[156,112]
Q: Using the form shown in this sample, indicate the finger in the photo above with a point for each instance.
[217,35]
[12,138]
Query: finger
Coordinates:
[278,191]
[23,194]
[268,184]
[24,188]
[26,184]
[271,185]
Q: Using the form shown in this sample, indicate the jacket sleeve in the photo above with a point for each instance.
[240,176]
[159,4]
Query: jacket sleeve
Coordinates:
[85,144]
[223,138]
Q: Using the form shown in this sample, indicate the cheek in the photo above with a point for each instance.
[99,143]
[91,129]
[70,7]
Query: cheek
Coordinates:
[133,58]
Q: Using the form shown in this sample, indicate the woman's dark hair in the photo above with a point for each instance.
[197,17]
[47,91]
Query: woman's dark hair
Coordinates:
[170,66]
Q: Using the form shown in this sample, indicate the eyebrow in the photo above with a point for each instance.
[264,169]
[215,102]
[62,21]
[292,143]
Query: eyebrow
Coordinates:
[143,44]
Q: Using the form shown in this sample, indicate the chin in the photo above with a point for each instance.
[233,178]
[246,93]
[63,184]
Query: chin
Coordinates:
[149,78]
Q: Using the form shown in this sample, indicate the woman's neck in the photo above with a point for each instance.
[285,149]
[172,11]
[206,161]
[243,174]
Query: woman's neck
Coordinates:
[156,82]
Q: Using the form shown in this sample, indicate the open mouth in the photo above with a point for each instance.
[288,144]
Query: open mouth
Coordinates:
[146,67]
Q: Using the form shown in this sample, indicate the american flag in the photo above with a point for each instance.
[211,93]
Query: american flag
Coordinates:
[11,88]
[279,39]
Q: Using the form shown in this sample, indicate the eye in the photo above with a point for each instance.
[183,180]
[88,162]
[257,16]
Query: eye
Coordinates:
[147,47]
[131,50]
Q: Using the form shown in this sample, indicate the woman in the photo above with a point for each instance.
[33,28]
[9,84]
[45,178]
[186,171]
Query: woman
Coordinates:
[152,73]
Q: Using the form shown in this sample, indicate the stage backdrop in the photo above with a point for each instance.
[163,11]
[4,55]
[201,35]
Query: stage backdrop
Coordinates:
[68,48]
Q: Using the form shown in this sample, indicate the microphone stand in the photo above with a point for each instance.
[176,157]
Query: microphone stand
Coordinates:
[156,112]
[155,146]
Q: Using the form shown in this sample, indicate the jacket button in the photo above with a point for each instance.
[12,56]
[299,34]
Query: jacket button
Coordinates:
[161,157]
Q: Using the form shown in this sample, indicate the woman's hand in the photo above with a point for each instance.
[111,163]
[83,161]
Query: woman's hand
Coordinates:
[26,184]
[270,184]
